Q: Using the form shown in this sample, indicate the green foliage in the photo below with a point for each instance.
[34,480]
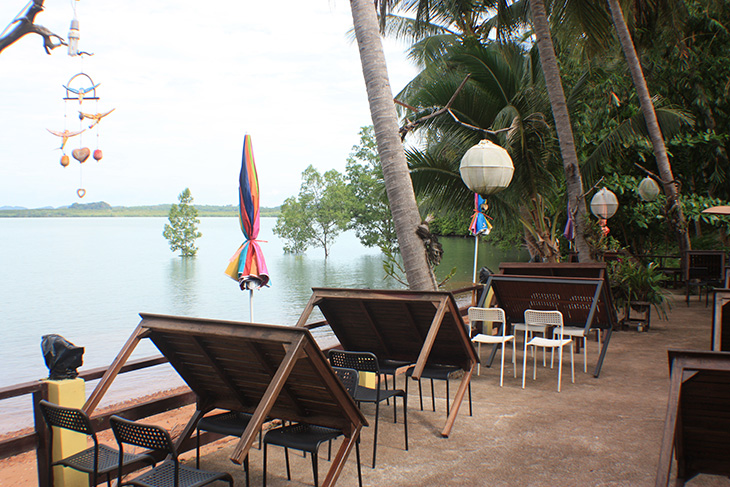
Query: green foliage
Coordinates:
[371,218]
[317,216]
[182,230]
[633,281]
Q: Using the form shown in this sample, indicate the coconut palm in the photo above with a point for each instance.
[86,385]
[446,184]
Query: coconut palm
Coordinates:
[505,91]
[674,209]
[406,217]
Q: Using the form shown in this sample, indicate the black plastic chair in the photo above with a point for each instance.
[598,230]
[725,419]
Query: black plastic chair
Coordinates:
[170,473]
[368,362]
[308,438]
[96,460]
[437,372]
[231,423]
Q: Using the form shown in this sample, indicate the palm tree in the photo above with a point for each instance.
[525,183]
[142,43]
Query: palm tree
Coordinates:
[551,72]
[399,188]
[505,92]
[674,209]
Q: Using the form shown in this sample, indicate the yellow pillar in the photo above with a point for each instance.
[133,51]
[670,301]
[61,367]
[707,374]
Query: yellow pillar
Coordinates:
[367,379]
[68,393]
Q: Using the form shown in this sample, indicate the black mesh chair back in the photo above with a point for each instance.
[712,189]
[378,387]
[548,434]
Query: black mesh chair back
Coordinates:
[360,361]
[169,473]
[368,362]
[68,418]
[97,460]
[349,378]
[145,435]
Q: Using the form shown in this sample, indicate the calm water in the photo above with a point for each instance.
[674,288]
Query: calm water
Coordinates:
[88,278]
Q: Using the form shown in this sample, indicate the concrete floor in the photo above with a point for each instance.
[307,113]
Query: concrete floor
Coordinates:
[596,432]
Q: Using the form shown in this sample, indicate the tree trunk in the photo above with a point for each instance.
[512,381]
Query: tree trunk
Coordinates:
[551,72]
[396,176]
[675,216]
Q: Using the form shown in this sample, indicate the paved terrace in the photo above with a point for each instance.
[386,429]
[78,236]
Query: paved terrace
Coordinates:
[596,432]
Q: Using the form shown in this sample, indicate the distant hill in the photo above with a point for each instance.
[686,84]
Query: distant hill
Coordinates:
[104,209]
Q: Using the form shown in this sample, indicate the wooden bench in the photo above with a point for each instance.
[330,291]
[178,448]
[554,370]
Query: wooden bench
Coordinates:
[269,371]
[697,425]
[404,326]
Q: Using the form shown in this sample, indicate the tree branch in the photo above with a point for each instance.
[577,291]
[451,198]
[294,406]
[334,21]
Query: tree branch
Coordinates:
[25,24]
[403,131]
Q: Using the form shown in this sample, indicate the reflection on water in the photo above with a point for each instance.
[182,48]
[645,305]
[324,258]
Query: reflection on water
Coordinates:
[87,279]
[182,285]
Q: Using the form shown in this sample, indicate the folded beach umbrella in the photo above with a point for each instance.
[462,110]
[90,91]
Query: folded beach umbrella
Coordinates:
[479,226]
[247,266]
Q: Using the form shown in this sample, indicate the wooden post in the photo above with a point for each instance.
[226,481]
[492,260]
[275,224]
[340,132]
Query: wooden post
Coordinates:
[458,398]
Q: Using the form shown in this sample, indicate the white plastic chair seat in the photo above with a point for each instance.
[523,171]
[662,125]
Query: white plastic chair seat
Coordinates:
[548,342]
[493,315]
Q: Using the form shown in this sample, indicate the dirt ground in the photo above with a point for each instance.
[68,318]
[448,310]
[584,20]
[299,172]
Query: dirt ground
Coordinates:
[596,432]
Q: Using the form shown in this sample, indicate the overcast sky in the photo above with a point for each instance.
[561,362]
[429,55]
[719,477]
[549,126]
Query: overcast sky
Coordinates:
[187,80]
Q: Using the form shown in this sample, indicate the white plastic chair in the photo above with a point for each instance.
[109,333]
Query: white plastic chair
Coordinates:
[493,315]
[574,331]
[548,319]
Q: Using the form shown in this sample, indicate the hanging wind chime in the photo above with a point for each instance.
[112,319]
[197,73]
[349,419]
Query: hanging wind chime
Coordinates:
[82,89]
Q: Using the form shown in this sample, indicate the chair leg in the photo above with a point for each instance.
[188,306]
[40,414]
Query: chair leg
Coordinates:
[266,447]
[197,448]
[560,364]
[420,393]
[585,354]
[357,457]
[447,397]
[470,408]
[286,457]
[572,366]
[501,370]
[375,433]
[245,468]
[315,472]
[433,397]
[514,357]
[405,419]
[479,356]
[524,365]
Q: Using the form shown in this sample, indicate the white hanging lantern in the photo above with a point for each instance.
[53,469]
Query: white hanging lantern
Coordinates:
[486,168]
[648,189]
[604,204]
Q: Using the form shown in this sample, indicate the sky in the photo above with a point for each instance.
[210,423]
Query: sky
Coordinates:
[187,80]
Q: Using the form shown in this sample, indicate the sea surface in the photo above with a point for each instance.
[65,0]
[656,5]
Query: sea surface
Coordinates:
[87,279]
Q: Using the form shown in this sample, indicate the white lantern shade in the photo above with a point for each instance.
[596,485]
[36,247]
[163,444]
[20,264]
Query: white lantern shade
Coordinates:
[604,203]
[648,189]
[486,168]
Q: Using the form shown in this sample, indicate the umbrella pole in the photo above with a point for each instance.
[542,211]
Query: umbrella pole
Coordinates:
[476,253]
[250,305]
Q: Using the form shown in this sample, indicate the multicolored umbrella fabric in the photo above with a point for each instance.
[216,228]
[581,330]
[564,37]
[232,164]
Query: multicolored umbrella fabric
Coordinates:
[479,223]
[247,266]
[479,226]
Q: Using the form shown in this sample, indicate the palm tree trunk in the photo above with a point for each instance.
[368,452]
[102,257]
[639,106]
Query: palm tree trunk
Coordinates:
[396,176]
[551,72]
[675,216]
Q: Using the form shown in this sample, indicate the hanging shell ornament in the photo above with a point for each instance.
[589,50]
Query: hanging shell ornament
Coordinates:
[98,154]
[81,154]
[65,161]
[81,192]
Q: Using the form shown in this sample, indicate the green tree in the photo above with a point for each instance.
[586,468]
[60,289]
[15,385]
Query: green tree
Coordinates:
[371,218]
[317,215]
[182,230]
